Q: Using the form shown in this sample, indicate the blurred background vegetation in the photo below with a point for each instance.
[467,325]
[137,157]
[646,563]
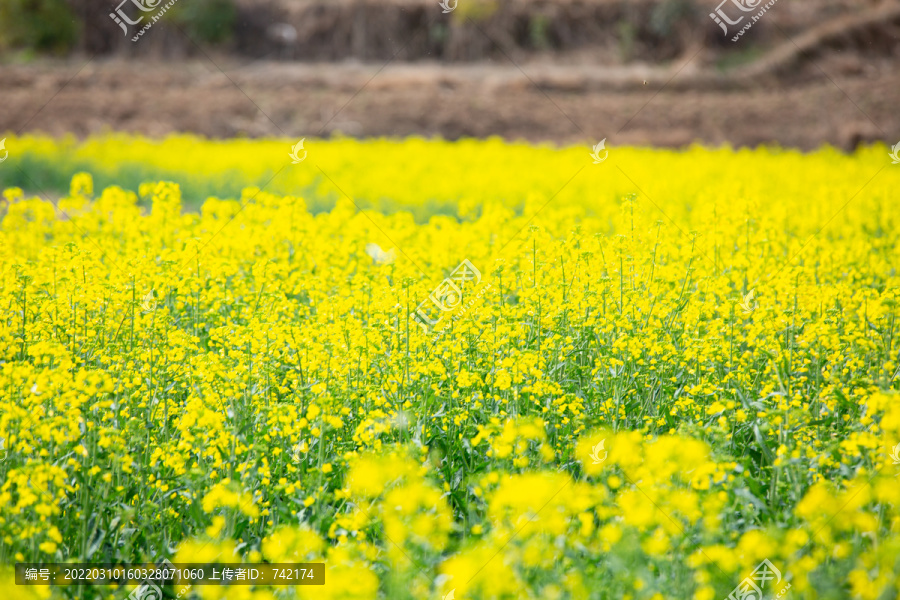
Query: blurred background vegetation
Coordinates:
[38,25]
[60,26]
[638,72]
[595,32]
[362,29]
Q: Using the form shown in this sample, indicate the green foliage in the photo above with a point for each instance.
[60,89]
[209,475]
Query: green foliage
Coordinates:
[210,21]
[740,57]
[666,15]
[538,32]
[627,35]
[44,25]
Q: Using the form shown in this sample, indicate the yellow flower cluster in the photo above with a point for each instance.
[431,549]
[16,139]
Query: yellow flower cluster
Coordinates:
[679,369]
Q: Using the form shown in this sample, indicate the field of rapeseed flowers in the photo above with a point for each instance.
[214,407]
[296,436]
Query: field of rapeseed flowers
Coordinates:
[653,374]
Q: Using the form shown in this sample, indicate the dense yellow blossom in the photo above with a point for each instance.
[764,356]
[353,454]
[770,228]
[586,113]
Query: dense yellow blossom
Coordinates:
[680,366]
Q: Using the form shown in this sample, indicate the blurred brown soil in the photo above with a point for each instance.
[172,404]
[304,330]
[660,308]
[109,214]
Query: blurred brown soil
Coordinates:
[646,72]
[536,101]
